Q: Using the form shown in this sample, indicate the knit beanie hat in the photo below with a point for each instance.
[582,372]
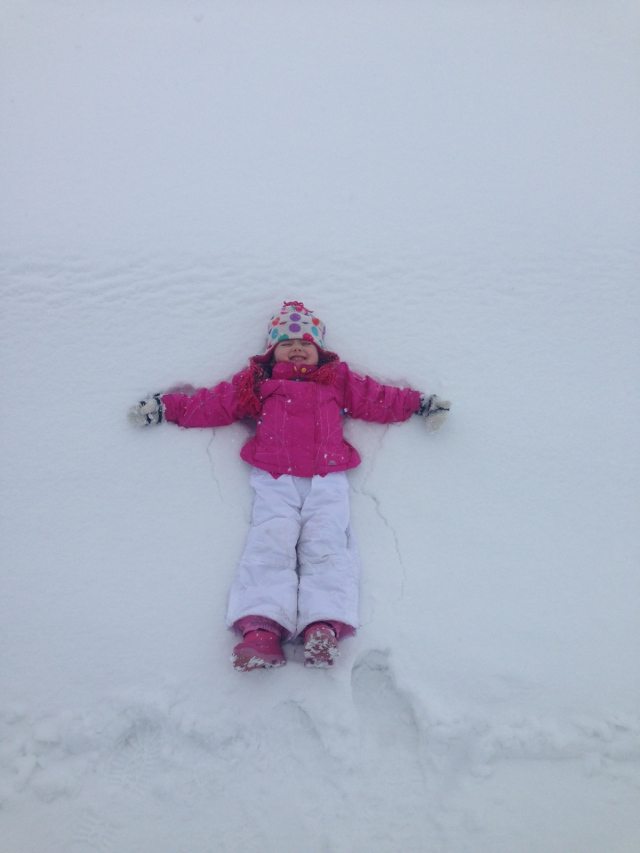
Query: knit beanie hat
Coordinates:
[295,321]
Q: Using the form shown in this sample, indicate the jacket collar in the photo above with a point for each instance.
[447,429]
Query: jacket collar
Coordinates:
[290,370]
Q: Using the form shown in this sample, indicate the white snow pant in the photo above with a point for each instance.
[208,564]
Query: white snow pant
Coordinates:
[300,563]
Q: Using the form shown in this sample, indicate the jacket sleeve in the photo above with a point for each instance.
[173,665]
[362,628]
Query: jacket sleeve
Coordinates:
[369,400]
[207,407]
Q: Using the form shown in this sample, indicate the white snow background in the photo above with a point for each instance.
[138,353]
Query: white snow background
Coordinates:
[453,187]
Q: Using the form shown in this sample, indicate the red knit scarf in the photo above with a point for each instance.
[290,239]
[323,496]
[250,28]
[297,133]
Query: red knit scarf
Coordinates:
[249,380]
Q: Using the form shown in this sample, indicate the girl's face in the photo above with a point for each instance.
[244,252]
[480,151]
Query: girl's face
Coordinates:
[296,351]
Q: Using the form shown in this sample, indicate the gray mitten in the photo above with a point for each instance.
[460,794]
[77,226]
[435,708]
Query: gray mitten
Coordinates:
[433,410]
[147,412]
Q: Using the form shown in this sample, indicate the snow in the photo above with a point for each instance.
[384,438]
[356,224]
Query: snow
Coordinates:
[453,187]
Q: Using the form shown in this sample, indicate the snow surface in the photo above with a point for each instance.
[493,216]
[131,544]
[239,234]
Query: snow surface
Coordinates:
[454,188]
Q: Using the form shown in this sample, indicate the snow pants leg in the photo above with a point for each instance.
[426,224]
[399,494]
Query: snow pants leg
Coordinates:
[300,562]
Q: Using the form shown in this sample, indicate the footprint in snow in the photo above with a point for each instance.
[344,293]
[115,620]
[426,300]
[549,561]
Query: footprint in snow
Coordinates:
[393,784]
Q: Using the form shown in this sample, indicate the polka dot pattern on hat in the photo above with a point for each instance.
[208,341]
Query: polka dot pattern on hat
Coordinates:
[295,321]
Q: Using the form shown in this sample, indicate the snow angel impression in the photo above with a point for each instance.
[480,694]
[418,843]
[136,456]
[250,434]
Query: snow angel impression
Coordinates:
[298,575]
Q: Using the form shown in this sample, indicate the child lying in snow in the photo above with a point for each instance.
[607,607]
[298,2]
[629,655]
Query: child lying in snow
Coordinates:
[298,574]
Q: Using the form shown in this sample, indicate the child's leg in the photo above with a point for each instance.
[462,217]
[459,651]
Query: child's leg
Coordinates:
[266,582]
[329,566]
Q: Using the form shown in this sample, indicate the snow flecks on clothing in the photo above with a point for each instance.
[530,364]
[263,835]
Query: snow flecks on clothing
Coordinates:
[320,646]
[254,662]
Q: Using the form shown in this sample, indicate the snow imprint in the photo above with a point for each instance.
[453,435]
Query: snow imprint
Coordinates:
[453,188]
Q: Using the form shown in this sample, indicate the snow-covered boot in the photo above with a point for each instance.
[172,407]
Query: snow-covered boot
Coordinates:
[320,645]
[258,649]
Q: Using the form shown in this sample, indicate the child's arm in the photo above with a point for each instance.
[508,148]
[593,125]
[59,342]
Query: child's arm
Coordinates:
[370,400]
[208,407]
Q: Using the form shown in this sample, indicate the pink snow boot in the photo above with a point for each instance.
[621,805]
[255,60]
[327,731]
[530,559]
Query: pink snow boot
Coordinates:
[259,649]
[320,645]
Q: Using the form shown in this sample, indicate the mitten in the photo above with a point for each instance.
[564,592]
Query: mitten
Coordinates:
[433,410]
[147,412]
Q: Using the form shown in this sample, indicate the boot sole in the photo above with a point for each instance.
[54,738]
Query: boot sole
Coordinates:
[320,652]
[249,662]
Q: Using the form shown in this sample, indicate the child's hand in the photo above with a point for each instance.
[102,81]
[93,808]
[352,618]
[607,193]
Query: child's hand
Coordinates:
[433,410]
[147,412]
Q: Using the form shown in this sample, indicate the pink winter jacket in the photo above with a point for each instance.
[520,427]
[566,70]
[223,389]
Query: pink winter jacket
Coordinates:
[299,430]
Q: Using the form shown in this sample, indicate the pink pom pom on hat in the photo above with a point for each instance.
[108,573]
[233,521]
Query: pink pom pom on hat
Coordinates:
[295,321]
